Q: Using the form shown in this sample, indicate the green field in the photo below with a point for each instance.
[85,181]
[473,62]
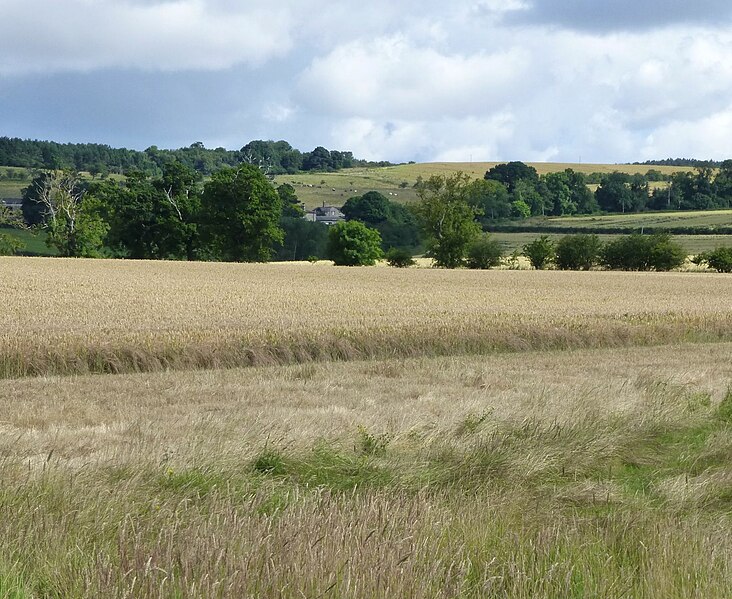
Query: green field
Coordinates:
[34,243]
[335,188]
[705,218]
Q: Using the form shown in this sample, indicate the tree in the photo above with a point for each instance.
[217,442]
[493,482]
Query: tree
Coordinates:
[447,219]
[540,252]
[619,192]
[72,218]
[396,224]
[240,215]
[290,204]
[352,243]
[303,239]
[399,258]
[371,208]
[32,205]
[153,218]
[720,259]
[9,245]
[317,160]
[578,252]
[489,197]
[511,173]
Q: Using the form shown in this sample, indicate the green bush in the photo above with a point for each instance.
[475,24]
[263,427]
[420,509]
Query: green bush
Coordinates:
[540,252]
[9,246]
[578,252]
[351,243]
[399,258]
[485,252]
[720,259]
[643,252]
[665,253]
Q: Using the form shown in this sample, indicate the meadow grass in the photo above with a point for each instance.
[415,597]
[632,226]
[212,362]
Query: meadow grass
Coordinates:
[65,316]
[535,474]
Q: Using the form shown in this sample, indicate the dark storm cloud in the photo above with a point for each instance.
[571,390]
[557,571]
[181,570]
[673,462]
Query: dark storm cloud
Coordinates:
[622,15]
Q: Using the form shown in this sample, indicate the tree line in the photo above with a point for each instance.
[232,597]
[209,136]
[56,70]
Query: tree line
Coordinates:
[515,190]
[240,215]
[278,157]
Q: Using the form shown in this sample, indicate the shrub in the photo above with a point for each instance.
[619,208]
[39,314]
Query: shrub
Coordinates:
[399,258]
[578,252]
[540,252]
[485,252]
[665,253]
[9,245]
[351,243]
[720,259]
[643,252]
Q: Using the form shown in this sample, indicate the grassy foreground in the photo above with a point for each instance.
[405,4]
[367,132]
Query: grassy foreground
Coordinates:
[76,316]
[602,473]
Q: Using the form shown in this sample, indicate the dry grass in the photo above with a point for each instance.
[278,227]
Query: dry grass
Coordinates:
[567,474]
[66,316]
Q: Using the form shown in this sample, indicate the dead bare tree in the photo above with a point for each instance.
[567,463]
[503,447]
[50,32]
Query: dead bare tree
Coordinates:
[263,165]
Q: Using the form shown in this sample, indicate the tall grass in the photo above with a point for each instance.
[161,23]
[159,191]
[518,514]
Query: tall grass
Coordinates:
[568,474]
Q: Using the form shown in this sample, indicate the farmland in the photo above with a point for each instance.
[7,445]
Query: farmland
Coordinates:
[693,244]
[100,315]
[527,474]
[397,181]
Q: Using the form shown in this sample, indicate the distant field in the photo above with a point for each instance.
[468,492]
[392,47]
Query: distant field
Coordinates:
[336,188]
[12,190]
[708,218]
[693,244]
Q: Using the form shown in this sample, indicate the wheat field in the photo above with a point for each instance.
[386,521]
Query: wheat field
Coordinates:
[66,316]
[301,430]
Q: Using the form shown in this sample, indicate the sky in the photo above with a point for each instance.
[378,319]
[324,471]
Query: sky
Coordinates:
[462,80]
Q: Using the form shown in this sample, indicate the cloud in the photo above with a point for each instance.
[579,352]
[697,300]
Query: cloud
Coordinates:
[83,35]
[395,77]
[703,138]
[623,15]
[408,80]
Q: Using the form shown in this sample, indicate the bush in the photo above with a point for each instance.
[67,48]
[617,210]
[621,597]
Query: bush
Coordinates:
[399,258]
[666,254]
[578,252]
[9,245]
[351,243]
[720,259]
[643,252]
[540,252]
[484,253]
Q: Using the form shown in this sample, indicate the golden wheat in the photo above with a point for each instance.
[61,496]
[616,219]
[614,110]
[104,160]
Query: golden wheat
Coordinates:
[100,316]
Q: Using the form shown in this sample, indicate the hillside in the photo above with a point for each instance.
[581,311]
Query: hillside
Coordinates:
[396,182]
